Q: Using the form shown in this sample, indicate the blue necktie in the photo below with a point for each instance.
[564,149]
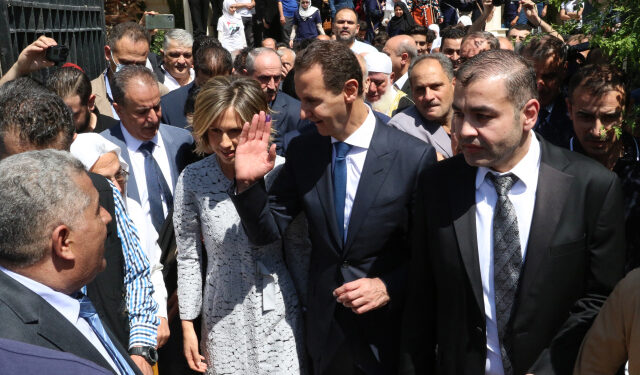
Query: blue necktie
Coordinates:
[156,186]
[88,312]
[340,183]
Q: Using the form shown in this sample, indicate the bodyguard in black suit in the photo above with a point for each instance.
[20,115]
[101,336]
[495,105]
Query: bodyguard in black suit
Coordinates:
[358,229]
[506,280]
[52,244]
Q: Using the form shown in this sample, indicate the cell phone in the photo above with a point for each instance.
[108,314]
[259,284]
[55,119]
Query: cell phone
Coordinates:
[159,21]
[57,54]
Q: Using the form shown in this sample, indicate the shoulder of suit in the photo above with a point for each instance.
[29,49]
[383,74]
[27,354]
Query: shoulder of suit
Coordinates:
[404,118]
[403,141]
[577,164]
[175,94]
[177,132]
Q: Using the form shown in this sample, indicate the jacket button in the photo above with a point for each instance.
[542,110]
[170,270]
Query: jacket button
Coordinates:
[345,264]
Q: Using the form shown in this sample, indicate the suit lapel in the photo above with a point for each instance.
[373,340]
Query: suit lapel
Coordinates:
[132,187]
[376,167]
[551,195]
[170,150]
[463,205]
[324,188]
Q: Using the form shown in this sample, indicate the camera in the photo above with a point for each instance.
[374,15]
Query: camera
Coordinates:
[57,54]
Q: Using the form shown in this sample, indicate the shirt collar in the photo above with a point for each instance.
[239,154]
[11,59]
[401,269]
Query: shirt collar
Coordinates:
[66,305]
[526,170]
[362,136]
[133,143]
[401,81]
[107,86]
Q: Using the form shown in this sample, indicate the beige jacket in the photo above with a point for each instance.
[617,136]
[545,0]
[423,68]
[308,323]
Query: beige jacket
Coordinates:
[99,88]
[614,336]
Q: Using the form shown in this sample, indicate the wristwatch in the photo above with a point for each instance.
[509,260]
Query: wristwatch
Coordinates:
[147,352]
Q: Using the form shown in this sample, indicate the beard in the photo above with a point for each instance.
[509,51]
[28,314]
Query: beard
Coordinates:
[385,102]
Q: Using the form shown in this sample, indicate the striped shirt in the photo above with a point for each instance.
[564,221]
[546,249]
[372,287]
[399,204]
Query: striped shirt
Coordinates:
[142,309]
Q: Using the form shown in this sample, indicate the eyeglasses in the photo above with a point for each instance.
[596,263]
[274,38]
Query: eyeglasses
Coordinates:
[120,178]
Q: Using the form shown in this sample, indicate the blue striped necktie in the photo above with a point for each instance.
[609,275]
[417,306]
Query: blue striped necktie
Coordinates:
[340,183]
[156,186]
[88,312]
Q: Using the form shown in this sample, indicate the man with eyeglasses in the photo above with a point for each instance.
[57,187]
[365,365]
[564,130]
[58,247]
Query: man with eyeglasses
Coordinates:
[177,59]
[265,66]
[127,44]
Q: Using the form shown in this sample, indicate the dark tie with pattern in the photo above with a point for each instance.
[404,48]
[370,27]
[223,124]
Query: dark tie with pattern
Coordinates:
[88,313]
[507,259]
[340,183]
[157,186]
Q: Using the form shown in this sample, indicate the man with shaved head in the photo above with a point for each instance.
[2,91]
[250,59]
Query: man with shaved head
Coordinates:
[402,49]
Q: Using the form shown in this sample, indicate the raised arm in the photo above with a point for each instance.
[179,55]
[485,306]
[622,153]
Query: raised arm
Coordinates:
[31,59]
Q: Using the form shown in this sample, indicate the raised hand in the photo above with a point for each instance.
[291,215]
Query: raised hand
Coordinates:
[254,157]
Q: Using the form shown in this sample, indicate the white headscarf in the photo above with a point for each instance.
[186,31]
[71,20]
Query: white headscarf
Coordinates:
[88,147]
[435,28]
[306,13]
[226,13]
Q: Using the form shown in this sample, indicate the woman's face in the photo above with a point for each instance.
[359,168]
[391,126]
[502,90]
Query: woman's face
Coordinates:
[305,4]
[398,11]
[108,166]
[223,136]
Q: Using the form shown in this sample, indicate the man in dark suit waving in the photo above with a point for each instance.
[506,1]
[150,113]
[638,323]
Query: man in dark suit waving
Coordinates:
[355,181]
[517,243]
[52,243]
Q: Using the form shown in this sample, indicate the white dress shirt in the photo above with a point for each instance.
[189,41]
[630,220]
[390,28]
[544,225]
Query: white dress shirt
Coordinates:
[359,142]
[110,96]
[401,81]
[68,307]
[522,196]
[171,82]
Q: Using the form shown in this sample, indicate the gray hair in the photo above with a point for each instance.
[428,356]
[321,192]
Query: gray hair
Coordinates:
[253,55]
[127,74]
[443,60]
[181,37]
[38,192]
[282,50]
[519,76]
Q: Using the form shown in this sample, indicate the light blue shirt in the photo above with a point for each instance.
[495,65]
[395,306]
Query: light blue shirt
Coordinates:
[67,306]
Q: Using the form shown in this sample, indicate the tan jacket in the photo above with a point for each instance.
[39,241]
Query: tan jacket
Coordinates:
[99,88]
[614,336]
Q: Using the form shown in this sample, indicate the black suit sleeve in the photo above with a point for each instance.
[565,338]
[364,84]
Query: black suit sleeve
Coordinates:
[605,244]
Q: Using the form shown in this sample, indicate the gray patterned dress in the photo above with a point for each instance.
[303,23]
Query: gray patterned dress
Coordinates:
[252,322]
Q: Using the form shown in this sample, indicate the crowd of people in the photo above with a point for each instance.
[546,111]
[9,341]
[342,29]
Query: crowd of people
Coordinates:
[402,192]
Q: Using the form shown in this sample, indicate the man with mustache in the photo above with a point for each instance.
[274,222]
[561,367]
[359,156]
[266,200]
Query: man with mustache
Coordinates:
[431,78]
[265,66]
[517,245]
[177,59]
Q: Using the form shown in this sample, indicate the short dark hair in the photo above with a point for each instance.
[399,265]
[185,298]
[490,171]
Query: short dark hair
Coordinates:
[431,36]
[240,61]
[539,49]
[417,30]
[128,73]
[597,80]
[452,32]
[130,30]
[214,52]
[521,27]
[337,61]
[70,82]
[491,39]
[520,78]
[37,116]
[202,41]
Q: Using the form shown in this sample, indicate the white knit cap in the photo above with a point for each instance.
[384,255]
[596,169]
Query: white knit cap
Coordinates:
[378,62]
[465,20]
[88,147]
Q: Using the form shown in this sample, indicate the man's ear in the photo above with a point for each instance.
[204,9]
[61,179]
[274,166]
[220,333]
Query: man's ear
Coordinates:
[350,90]
[91,103]
[392,77]
[61,243]
[530,113]
[107,53]
[405,58]
[569,108]
[117,108]
[161,52]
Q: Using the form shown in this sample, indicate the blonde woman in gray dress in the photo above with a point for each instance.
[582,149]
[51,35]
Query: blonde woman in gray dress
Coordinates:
[251,319]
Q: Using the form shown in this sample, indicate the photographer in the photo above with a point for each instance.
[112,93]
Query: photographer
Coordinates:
[31,59]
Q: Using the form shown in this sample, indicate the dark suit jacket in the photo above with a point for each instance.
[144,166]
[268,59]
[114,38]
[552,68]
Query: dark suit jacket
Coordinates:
[19,358]
[559,128]
[179,146]
[285,118]
[376,246]
[107,290]
[27,317]
[575,255]
[173,106]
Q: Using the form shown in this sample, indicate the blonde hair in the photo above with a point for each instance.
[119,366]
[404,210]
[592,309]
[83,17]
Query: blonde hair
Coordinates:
[219,94]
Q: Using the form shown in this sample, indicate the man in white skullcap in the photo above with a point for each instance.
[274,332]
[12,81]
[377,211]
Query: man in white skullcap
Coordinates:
[380,93]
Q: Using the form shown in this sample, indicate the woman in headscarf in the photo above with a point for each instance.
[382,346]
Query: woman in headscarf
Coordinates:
[307,23]
[230,28]
[401,21]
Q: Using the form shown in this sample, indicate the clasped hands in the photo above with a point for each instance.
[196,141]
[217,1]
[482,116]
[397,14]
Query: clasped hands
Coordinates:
[362,295]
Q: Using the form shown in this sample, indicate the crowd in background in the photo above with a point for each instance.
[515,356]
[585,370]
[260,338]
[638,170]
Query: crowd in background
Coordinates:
[340,187]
